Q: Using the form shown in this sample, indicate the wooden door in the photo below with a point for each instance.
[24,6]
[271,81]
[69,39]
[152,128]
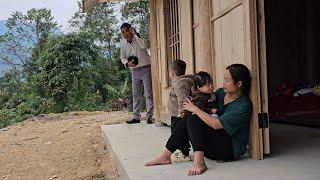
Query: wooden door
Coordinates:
[235,40]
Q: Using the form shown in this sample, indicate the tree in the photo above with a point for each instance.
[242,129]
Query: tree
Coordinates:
[101,22]
[58,73]
[138,14]
[24,32]
[68,63]
[10,87]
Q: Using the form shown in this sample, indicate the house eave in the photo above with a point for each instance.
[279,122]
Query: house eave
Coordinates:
[86,4]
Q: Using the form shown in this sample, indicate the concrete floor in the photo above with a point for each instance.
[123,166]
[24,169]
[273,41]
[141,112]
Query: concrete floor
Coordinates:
[295,155]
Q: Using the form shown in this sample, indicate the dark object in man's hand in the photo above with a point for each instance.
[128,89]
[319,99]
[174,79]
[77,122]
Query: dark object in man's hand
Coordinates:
[134,59]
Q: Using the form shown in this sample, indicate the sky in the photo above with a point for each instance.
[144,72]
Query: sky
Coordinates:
[62,10]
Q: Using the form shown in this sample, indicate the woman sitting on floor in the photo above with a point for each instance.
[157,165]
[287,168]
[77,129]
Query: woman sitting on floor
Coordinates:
[222,138]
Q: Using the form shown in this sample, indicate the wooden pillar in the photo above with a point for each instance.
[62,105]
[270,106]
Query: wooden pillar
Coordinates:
[154,58]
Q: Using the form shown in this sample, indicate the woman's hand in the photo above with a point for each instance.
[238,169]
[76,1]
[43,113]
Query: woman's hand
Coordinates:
[205,117]
[189,106]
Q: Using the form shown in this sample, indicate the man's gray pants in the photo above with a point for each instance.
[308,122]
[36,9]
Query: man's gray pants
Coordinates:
[141,77]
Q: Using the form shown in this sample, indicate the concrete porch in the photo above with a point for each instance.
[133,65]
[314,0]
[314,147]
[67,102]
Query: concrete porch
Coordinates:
[295,155]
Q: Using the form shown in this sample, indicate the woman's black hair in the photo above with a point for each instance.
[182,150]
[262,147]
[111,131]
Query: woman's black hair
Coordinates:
[240,72]
[202,78]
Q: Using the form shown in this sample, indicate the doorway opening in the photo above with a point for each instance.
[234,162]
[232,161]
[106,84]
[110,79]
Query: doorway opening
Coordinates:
[293,61]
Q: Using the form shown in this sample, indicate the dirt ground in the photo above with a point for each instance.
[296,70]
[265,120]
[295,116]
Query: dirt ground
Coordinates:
[59,146]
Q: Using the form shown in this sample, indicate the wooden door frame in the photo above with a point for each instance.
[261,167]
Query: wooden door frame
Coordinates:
[263,72]
[252,58]
[260,136]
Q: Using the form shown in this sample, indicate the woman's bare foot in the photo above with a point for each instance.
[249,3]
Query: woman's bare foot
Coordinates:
[158,161]
[163,159]
[197,169]
[199,166]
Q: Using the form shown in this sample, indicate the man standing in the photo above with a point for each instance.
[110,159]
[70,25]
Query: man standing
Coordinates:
[134,55]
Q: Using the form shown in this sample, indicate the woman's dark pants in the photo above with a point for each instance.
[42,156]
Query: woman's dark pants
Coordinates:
[216,144]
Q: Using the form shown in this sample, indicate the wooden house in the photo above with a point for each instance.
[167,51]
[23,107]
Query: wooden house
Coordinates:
[275,39]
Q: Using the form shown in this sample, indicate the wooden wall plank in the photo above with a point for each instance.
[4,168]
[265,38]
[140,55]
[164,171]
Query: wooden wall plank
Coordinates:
[186,35]
[232,33]
[202,33]
[225,8]
[215,7]
[206,62]
[228,42]
[217,45]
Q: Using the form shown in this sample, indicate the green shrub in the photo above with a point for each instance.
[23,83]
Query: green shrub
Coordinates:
[8,116]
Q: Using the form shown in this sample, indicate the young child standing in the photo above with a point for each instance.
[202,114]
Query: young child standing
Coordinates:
[180,89]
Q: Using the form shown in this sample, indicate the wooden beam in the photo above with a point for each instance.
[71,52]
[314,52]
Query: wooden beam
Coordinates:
[87,4]
[226,10]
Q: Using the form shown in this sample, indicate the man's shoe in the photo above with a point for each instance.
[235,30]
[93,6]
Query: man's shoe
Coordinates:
[149,121]
[133,121]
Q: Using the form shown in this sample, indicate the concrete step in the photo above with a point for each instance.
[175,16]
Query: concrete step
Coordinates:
[297,155]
